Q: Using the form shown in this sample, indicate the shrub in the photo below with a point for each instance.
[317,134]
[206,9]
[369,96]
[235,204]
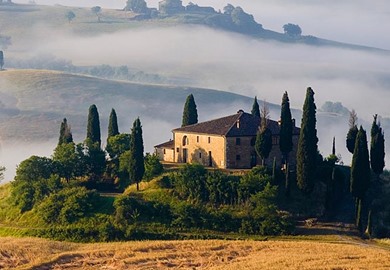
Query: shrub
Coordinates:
[68,205]
[153,166]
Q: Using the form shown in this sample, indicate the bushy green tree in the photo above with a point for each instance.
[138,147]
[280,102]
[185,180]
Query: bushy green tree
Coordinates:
[70,161]
[255,108]
[190,113]
[117,145]
[153,166]
[137,6]
[377,149]
[307,145]
[251,183]
[190,182]
[136,165]
[68,205]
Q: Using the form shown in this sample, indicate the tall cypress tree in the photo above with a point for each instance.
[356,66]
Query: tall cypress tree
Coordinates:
[360,173]
[263,144]
[190,113]
[1,60]
[285,136]
[65,133]
[377,149]
[93,125]
[137,166]
[255,108]
[286,128]
[334,146]
[307,145]
[113,129]
[352,132]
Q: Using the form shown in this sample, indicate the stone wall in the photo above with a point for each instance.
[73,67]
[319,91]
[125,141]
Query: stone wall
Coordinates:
[203,149]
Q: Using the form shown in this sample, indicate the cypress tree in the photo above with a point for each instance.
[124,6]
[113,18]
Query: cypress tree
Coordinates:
[255,108]
[360,169]
[352,132]
[190,113]
[286,128]
[263,144]
[307,145]
[137,166]
[93,125]
[65,133]
[113,129]
[377,149]
[1,60]
[334,146]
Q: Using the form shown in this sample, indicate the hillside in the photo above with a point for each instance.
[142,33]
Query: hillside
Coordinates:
[33,103]
[28,21]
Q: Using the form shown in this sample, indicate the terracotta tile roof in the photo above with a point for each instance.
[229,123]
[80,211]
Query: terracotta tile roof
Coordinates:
[168,145]
[227,126]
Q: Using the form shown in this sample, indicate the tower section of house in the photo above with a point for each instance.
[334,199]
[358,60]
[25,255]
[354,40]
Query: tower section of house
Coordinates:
[170,7]
[227,142]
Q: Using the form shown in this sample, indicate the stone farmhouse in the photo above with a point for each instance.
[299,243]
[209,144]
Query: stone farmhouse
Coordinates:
[226,143]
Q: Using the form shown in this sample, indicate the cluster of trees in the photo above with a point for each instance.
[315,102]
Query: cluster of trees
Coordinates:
[366,163]
[86,164]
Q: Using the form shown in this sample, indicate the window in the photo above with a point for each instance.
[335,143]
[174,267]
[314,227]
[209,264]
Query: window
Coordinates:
[238,157]
[164,152]
[200,154]
[197,138]
[209,140]
[275,140]
[185,140]
[177,149]
[238,141]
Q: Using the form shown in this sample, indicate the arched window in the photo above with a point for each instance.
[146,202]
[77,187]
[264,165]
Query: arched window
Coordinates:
[185,140]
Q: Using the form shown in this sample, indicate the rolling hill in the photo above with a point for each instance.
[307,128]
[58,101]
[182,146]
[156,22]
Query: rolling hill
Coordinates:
[34,102]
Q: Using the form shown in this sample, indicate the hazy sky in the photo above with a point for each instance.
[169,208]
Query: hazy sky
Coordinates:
[355,21]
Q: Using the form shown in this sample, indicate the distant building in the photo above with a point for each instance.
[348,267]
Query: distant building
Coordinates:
[192,8]
[227,142]
[170,7]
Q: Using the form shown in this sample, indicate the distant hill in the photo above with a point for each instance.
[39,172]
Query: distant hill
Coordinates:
[33,103]
[19,22]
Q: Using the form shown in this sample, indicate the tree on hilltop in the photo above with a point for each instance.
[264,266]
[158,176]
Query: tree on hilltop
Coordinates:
[307,145]
[70,15]
[97,11]
[190,113]
[137,6]
[292,30]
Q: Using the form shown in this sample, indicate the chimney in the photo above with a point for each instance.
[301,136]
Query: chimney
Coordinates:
[240,111]
[293,122]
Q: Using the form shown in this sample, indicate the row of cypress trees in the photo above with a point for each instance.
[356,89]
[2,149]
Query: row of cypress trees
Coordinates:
[132,143]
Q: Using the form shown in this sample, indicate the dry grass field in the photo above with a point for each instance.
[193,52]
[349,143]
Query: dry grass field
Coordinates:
[33,253]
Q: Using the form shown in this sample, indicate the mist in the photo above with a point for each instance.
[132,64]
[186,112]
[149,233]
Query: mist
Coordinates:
[235,63]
